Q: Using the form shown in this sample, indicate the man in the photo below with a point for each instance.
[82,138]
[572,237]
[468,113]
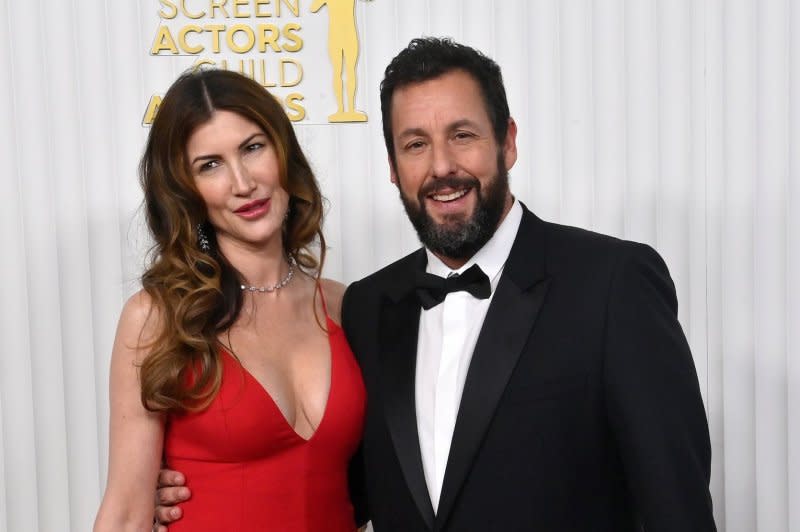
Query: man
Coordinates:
[548,385]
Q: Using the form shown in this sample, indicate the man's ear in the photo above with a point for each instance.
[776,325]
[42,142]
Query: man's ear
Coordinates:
[510,144]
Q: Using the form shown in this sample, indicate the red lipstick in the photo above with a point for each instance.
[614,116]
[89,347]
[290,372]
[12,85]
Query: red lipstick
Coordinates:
[254,209]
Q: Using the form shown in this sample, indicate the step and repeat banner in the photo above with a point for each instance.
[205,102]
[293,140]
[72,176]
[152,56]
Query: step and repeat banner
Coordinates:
[671,123]
[304,53]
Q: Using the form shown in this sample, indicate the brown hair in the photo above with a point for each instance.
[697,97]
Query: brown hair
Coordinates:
[195,294]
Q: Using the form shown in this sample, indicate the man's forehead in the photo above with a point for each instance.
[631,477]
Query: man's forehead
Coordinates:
[445,101]
[454,78]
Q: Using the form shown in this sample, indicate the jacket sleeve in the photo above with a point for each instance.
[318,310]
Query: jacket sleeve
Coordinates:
[653,398]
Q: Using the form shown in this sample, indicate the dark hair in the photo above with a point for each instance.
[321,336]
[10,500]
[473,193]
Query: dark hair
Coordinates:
[428,58]
[196,294]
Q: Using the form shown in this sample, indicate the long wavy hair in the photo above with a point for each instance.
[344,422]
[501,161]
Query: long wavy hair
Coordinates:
[196,295]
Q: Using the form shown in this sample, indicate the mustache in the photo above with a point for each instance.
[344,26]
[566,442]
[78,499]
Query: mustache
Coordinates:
[441,183]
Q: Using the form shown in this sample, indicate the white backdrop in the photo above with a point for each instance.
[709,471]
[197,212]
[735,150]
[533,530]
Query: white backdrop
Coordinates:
[672,122]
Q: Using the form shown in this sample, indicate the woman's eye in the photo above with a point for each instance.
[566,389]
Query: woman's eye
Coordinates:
[254,146]
[210,165]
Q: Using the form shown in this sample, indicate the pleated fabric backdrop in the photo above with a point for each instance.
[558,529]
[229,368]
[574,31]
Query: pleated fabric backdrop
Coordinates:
[671,122]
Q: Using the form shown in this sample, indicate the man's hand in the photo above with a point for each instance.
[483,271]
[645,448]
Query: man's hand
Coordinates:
[171,491]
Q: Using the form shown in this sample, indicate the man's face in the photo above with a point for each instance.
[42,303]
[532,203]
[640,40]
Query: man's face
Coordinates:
[450,170]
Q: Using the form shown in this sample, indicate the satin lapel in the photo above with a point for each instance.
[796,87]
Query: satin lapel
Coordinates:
[506,329]
[399,327]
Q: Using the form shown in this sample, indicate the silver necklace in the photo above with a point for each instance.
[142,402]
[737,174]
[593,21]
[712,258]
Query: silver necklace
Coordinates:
[277,286]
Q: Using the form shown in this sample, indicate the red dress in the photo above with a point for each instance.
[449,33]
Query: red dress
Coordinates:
[250,471]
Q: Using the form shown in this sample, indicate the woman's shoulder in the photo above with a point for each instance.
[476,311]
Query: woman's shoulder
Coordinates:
[138,308]
[333,291]
[138,321]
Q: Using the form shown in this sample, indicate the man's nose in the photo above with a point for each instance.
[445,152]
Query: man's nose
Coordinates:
[443,163]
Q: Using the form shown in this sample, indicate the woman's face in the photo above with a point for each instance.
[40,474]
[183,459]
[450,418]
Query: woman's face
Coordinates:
[236,170]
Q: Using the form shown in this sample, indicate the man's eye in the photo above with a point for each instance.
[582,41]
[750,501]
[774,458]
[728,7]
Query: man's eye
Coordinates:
[417,144]
[462,135]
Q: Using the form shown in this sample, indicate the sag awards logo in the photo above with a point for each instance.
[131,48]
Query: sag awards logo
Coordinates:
[279,43]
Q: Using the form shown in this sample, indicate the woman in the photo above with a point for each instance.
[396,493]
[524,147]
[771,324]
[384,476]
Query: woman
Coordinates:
[229,363]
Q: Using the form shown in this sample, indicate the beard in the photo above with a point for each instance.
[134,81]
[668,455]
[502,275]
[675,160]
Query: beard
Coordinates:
[458,237]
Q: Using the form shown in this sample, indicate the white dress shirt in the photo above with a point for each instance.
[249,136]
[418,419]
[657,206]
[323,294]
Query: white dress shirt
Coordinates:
[448,333]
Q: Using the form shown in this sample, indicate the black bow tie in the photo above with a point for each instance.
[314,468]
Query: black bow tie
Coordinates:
[432,289]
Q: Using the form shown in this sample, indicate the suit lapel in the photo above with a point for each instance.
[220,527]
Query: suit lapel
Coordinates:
[399,328]
[506,329]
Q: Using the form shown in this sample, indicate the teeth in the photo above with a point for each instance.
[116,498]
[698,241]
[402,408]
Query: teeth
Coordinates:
[450,197]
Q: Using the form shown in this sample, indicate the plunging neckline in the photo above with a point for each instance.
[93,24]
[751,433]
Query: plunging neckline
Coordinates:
[271,400]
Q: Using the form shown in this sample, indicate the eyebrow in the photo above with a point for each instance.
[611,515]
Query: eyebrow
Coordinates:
[244,143]
[417,131]
[412,132]
[461,123]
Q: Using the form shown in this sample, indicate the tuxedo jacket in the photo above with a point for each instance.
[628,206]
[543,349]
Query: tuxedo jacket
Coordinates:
[581,409]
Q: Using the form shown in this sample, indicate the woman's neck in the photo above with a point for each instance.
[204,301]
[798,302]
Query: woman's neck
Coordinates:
[266,265]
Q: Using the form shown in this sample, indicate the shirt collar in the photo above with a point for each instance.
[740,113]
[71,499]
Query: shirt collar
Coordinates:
[492,256]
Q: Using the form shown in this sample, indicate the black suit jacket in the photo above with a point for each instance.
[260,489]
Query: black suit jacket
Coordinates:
[581,408]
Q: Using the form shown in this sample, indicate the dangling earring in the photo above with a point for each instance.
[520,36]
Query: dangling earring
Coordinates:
[202,239]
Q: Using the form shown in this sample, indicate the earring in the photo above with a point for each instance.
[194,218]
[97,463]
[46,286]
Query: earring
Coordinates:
[202,239]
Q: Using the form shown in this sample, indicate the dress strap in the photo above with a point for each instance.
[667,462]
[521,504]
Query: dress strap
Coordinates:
[322,298]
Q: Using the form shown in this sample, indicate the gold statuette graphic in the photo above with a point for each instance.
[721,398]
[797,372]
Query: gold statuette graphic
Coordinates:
[343,51]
